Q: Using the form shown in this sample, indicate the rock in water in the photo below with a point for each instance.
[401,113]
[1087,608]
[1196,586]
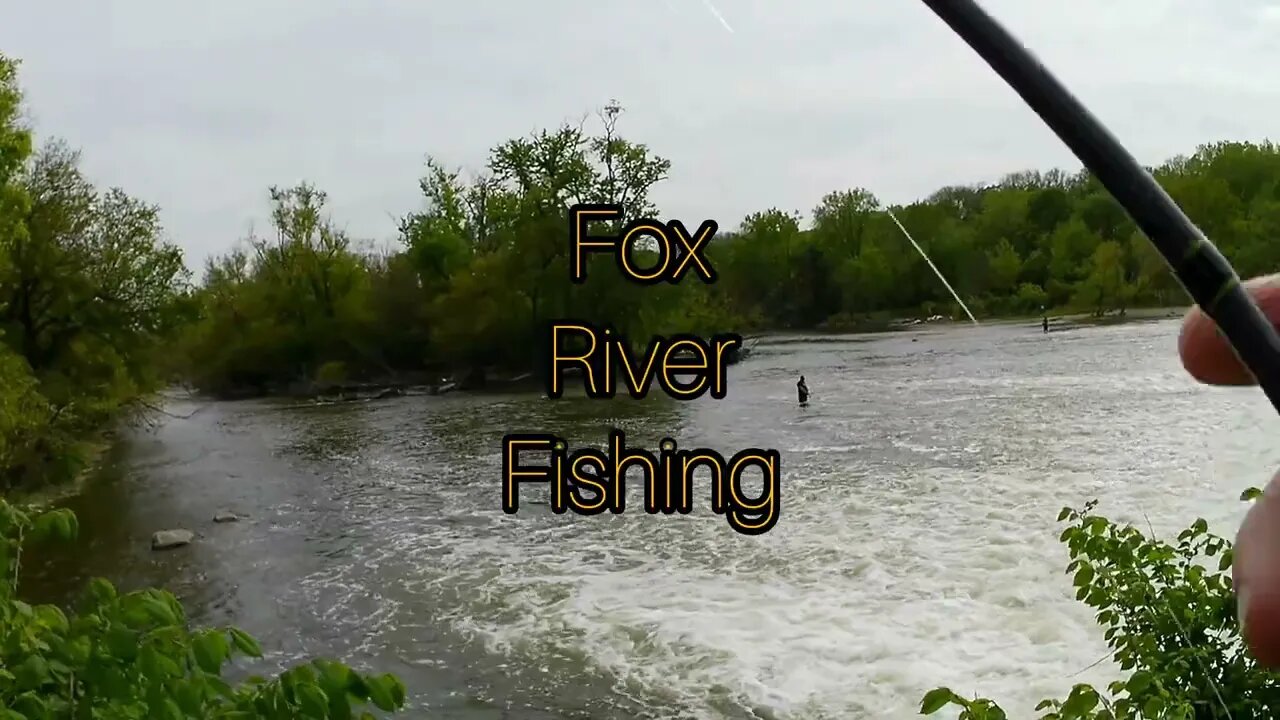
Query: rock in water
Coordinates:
[225,516]
[167,539]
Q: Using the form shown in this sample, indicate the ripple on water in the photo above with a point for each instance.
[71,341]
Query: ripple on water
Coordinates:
[916,547]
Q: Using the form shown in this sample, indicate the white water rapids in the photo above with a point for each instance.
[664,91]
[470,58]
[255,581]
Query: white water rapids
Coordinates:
[916,546]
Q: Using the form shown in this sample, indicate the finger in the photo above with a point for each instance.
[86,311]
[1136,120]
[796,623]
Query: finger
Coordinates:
[1204,350]
[1255,574]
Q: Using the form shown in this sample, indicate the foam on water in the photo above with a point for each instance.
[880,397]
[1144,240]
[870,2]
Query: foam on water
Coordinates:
[916,547]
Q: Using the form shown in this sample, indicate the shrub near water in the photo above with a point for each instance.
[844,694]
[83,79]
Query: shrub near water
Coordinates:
[133,655]
[1169,614]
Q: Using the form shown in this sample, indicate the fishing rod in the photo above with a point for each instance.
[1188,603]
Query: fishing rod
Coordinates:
[1207,276]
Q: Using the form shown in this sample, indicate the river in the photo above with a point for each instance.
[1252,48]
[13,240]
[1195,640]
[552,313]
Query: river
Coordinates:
[916,544]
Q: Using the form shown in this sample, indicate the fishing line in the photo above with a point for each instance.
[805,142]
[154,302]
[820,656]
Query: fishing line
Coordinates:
[712,9]
[936,271]
[1205,274]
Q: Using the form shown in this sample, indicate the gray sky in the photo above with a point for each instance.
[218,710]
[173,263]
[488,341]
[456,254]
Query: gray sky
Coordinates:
[199,106]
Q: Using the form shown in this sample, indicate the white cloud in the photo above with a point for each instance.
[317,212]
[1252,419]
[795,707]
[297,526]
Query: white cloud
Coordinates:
[200,106]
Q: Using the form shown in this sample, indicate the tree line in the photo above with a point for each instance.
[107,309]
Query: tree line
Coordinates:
[97,309]
[481,266]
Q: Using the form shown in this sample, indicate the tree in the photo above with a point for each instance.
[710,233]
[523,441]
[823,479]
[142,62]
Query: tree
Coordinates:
[1004,265]
[1105,287]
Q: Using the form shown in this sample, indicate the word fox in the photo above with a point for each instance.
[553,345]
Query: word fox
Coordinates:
[674,242]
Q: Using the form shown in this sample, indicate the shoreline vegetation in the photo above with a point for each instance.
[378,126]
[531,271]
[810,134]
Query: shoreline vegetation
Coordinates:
[99,315]
[400,385]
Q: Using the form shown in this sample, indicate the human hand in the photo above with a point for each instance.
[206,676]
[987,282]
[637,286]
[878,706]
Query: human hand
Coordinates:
[1255,568]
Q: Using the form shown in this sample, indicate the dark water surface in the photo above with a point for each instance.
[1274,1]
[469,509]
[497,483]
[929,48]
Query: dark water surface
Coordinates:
[916,544]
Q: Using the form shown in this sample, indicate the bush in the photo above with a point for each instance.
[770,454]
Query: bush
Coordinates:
[1031,298]
[133,655]
[1169,614]
[24,418]
[331,373]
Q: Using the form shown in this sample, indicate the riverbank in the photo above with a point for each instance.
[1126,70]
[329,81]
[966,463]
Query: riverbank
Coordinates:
[90,454]
[440,382]
[393,384]
[890,322]
[1069,319]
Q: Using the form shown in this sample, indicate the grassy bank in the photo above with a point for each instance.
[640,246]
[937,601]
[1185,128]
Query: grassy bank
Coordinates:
[90,453]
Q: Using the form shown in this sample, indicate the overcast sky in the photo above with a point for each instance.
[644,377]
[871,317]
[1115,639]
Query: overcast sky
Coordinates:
[200,105]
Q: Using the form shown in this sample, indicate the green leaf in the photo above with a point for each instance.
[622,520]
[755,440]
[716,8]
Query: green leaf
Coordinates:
[1138,682]
[31,705]
[335,677]
[122,643]
[51,617]
[1082,699]
[312,700]
[211,651]
[245,642]
[1250,494]
[149,661]
[32,673]
[381,692]
[171,709]
[102,590]
[189,698]
[1083,576]
[66,526]
[933,701]
[159,610]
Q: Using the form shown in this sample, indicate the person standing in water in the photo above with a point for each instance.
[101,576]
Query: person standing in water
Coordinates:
[802,391]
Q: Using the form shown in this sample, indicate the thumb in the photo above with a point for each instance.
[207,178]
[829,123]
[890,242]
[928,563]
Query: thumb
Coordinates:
[1204,350]
[1255,575]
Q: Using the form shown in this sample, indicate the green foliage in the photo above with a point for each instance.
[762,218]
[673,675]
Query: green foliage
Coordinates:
[90,293]
[134,656]
[484,262]
[15,139]
[92,296]
[23,409]
[482,265]
[1169,614]
[331,373]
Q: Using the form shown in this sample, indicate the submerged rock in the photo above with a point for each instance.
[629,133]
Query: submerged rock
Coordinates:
[225,517]
[167,539]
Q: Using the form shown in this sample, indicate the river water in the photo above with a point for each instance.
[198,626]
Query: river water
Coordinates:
[916,544]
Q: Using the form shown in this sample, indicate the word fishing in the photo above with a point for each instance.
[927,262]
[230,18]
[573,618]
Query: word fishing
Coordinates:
[589,481]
